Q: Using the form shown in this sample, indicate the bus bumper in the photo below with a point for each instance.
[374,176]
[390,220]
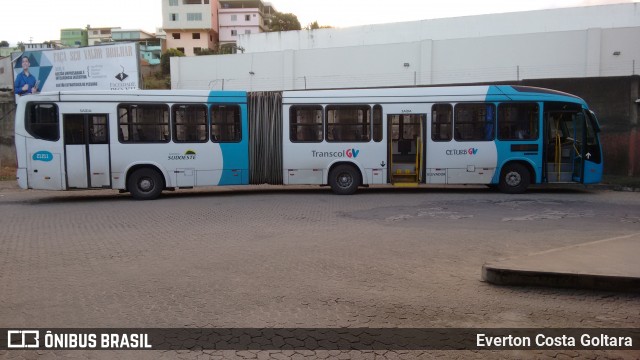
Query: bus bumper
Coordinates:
[21,176]
[592,172]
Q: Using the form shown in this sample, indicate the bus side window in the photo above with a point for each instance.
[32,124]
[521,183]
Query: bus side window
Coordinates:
[518,121]
[346,123]
[143,123]
[377,123]
[189,123]
[225,123]
[42,121]
[441,120]
[305,123]
[474,121]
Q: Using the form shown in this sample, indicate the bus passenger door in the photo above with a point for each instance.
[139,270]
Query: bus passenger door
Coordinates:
[86,139]
[405,130]
[565,138]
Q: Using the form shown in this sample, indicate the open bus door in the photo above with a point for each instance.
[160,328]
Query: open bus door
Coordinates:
[406,124]
[572,144]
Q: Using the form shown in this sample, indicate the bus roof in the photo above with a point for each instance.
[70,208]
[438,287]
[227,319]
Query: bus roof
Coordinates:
[431,94]
[140,95]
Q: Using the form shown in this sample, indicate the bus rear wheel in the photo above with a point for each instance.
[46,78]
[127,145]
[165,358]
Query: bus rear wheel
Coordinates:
[145,184]
[344,179]
[514,179]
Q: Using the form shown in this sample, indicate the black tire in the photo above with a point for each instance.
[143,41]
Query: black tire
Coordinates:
[514,179]
[145,184]
[344,179]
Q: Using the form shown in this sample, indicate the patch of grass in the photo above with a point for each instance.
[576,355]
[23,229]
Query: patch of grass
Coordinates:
[157,81]
[7,173]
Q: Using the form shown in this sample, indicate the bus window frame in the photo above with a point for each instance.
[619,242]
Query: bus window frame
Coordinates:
[237,132]
[498,122]
[369,122]
[484,138]
[28,125]
[320,125]
[167,136]
[174,124]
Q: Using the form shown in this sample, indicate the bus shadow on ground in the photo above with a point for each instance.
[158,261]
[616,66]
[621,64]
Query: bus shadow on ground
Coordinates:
[217,192]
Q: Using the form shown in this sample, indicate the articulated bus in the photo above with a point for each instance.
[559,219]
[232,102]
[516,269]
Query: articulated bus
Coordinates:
[144,142]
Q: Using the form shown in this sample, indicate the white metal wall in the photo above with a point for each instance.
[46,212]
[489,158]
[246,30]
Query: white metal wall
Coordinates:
[562,54]
[529,22]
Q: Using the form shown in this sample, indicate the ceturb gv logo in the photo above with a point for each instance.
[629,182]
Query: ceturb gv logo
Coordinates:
[469,151]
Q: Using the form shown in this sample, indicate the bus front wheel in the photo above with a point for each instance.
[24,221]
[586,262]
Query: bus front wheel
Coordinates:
[514,179]
[344,179]
[145,184]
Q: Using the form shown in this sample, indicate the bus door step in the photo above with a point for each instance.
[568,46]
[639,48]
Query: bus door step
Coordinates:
[406,184]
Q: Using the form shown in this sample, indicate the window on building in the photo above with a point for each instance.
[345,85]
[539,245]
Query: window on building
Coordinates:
[195,36]
[173,2]
[225,123]
[143,123]
[247,18]
[473,122]
[194,16]
[191,2]
[173,17]
[197,50]
[176,36]
[234,32]
[206,2]
[518,121]
[42,121]
[181,49]
[247,32]
[234,17]
[441,121]
[348,123]
[377,123]
[190,123]
[305,123]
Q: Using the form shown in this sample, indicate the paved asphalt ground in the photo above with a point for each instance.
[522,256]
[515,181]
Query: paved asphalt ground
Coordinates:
[301,257]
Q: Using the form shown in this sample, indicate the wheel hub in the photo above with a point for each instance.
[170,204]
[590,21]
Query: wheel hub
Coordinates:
[344,180]
[513,178]
[145,184]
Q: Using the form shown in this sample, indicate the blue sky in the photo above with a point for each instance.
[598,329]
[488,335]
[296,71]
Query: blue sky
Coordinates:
[41,20]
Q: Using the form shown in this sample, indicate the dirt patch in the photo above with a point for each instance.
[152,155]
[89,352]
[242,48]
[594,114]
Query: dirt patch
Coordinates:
[7,173]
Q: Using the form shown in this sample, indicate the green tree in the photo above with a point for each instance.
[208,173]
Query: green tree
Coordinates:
[314,26]
[284,22]
[206,52]
[165,62]
[4,43]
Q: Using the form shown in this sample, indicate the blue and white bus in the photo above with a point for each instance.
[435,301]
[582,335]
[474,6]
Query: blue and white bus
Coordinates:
[146,141]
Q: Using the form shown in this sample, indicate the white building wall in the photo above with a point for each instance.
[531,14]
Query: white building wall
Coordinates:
[181,11]
[564,54]
[207,27]
[254,24]
[554,20]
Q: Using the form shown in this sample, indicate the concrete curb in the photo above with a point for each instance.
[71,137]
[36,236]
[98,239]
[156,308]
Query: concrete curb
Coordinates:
[613,187]
[510,277]
[608,264]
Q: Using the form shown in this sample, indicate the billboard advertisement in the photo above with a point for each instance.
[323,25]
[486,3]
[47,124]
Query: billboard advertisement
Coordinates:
[106,67]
